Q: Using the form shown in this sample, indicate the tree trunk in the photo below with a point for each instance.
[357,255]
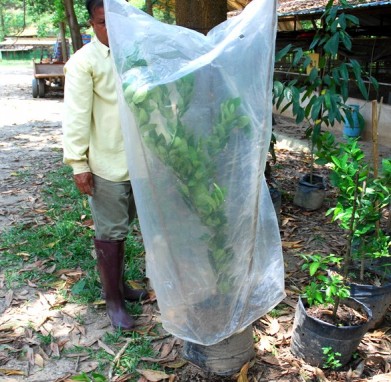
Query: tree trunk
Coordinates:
[2,24]
[74,27]
[149,7]
[200,15]
[64,50]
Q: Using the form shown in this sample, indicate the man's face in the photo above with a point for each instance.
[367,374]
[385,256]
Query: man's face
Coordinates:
[98,23]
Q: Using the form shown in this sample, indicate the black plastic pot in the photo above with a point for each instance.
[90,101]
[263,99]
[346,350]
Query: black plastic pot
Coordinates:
[310,335]
[310,194]
[275,194]
[378,299]
[224,358]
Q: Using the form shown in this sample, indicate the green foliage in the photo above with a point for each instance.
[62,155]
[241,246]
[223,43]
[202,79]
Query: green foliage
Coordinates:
[192,159]
[360,201]
[386,172]
[91,377]
[45,15]
[325,287]
[331,360]
[320,97]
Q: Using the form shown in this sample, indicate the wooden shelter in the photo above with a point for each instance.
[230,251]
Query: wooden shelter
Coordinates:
[371,40]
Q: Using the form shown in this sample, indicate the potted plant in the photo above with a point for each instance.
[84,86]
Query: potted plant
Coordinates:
[326,316]
[335,277]
[361,199]
[318,95]
[197,143]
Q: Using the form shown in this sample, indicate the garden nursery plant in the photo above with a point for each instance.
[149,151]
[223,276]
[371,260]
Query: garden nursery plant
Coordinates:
[319,93]
[192,160]
[361,198]
[197,142]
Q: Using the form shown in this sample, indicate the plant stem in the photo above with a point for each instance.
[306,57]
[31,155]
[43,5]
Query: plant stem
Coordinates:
[348,252]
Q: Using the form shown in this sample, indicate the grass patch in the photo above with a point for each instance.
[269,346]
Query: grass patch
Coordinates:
[40,253]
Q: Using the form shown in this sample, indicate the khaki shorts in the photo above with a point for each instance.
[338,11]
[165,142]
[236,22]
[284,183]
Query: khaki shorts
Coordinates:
[113,208]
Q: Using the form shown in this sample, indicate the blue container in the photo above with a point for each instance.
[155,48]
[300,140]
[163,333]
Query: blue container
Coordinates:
[86,38]
[352,131]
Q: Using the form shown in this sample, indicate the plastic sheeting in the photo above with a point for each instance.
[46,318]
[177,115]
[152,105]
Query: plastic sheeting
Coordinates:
[196,113]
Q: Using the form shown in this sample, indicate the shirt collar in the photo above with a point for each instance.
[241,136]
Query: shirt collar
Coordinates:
[105,50]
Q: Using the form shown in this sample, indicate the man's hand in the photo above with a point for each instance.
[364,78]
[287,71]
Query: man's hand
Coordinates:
[85,183]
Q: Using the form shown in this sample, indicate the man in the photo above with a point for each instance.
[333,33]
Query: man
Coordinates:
[93,146]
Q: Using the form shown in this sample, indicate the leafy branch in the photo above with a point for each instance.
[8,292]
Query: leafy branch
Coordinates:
[192,159]
[320,97]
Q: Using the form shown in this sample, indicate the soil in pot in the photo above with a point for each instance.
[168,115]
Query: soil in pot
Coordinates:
[310,192]
[311,334]
[374,291]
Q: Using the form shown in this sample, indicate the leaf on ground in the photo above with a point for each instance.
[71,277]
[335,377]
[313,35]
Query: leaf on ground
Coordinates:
[40,211]
[265,343]
[88,223]
[6,340]
[24,255]
[80,329]
[55,349]
[51,269]
[52,244]
[11,371]
[74,273]
[286,221]
[89,366]
[242,377]
[291,244]
[106,348]
[286,318]
[320,375]
[125,378]
[38,360]
[289,301]
[176,364]
[135,284]
[167,348]
[4,358]
[169,358]
[153,375]
[382,378]
[274,327]
[270,359]
[8,298]
[30,355]
[145,330]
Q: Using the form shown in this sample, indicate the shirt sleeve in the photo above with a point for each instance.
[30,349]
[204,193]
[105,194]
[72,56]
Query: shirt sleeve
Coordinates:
[77,113]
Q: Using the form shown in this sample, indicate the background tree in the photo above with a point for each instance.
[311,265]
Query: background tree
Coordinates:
[12,17]
[73,24]
[200,15]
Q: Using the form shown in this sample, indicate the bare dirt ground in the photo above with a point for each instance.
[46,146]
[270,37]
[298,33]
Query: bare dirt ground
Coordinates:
[30,141]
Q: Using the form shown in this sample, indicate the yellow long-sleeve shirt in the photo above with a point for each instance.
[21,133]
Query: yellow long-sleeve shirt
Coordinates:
[92,136]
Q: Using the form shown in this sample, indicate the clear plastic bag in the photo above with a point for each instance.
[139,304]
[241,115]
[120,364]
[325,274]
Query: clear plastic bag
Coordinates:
[196,113]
